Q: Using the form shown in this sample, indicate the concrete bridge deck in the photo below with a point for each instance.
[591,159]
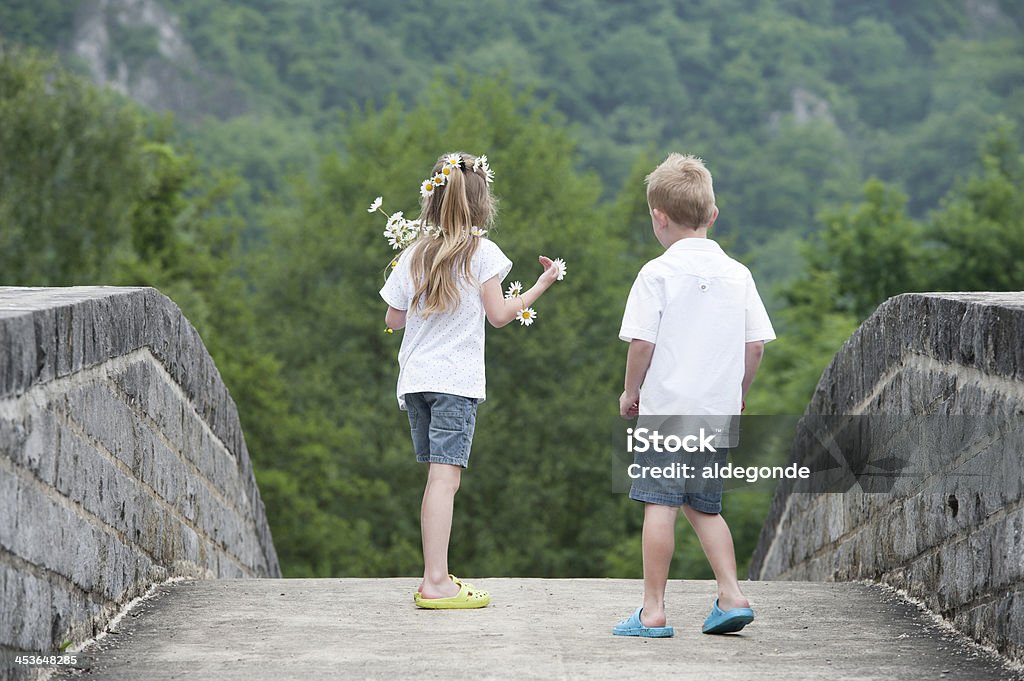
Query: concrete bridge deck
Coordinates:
[534,629]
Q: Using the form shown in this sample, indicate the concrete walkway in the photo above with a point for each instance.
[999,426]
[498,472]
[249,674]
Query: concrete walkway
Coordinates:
[534,629]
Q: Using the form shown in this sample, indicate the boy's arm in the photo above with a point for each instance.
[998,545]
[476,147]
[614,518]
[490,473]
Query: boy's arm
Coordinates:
[638,361]
[752,354]
[395,319]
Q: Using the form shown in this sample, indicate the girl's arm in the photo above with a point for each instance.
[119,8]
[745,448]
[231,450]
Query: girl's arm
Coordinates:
[395,319]
[500,310]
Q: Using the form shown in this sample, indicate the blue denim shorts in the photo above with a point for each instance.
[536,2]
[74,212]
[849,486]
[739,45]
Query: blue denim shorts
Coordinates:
[442,427]
[701,494]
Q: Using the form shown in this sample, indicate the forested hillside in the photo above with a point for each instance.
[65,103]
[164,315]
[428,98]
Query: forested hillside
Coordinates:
[860,149]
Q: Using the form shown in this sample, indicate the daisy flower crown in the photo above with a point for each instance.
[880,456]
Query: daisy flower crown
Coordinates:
[450,164]
[401,232]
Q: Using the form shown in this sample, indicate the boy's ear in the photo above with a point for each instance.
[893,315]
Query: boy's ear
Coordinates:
[714,216]
[661,217]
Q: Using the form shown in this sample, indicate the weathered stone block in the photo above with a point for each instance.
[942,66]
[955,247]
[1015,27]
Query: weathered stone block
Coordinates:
[950,367]
[122,461]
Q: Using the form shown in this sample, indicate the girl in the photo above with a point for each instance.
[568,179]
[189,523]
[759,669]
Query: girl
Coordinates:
[441,288]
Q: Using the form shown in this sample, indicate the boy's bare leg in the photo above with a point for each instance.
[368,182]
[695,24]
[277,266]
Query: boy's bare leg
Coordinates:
[436,528]
[659,542]
[716,540]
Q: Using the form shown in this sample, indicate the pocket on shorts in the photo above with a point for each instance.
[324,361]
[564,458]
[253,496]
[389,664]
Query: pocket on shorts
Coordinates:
[450,421]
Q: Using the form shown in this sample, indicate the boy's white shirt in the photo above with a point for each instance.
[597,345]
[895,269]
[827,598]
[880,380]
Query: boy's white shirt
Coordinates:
[699,307]
[444,352]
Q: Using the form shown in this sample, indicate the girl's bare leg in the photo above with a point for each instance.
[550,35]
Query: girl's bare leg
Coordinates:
[436,528]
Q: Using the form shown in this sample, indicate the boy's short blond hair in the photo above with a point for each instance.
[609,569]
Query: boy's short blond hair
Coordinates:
[681,188]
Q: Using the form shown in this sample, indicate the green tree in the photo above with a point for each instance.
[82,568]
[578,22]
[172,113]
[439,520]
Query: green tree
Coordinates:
[874,250]
[40,23]
[93,192]
[810,330]
[885,96]
[70,173]
[869,252]
[862,255]
[540,441]
[980,224]
[793,103]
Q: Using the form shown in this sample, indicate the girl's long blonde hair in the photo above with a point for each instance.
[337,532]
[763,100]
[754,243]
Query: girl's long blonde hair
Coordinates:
[455,208]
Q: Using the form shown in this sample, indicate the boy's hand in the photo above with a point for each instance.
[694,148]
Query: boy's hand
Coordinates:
[629,405]
[550,275]
[638,360]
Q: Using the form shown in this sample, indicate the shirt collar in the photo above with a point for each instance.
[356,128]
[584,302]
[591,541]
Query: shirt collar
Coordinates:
[696,244]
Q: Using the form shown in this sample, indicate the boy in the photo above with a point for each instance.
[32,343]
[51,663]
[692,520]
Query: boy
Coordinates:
[696,328]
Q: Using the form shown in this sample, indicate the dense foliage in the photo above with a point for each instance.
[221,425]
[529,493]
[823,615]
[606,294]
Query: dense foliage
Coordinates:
[859,150]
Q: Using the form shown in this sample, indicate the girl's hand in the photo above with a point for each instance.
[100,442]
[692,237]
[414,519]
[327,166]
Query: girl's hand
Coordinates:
[550,275]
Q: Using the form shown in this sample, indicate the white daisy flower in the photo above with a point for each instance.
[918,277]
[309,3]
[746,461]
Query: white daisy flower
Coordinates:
[440,179]
[427,188]
[401,232]
[526,316]
[481,164]
[445,172]
[453,159]
[514,289]
[477,231]
[376,204]
[410,229]
[559,264]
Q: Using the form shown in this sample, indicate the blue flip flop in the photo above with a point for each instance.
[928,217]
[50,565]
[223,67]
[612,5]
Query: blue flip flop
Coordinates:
[632,626]
[727,621]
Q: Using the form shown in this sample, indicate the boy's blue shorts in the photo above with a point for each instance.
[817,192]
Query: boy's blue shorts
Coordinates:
[701,494]
[442,427]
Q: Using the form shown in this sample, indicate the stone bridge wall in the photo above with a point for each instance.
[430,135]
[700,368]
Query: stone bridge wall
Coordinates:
[951,533]
[122,462]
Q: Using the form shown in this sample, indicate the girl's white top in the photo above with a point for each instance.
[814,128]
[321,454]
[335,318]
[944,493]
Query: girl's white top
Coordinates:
[444,353]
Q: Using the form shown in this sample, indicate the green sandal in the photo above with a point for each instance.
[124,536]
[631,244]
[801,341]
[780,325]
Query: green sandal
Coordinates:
[468,597]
